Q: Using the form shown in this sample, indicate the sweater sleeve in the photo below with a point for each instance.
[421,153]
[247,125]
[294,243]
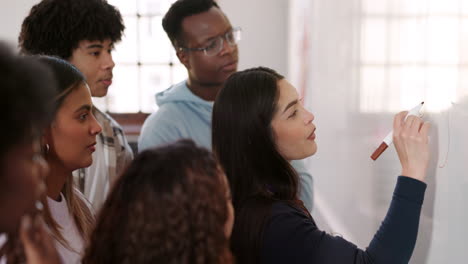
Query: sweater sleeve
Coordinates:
[290,236]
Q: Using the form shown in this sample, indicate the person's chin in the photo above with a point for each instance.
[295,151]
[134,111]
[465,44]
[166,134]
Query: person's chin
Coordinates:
[86,163]
[313,149]
[309,151]
[226,75]
[313,152]
[100,94]
[100,90]
[229,72]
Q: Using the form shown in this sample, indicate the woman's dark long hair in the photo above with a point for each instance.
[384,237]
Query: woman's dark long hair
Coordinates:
[243,142]
[169,206]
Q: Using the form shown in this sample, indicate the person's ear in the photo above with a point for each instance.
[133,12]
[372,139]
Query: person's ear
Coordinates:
[183,57]
[46,140]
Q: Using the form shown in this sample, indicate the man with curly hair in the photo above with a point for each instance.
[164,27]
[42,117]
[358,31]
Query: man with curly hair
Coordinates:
[84,32]
[206,44]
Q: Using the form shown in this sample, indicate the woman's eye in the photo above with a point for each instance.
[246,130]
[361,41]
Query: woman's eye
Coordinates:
[293,114]
[83,116]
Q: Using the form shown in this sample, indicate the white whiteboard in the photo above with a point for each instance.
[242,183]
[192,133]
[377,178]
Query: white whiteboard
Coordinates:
[352,192]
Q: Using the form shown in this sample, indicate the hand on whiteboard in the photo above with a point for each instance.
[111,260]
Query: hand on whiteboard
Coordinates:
[411,141]
[38,244]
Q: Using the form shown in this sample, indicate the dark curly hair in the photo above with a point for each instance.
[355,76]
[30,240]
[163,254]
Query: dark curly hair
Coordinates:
[172,21]
[170,206]
[25,93]
[55,27]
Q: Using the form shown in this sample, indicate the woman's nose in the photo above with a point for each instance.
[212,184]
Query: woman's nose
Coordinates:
[309,117]
[95,127]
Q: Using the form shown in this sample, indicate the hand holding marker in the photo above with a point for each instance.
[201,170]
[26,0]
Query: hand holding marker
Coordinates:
[388,140]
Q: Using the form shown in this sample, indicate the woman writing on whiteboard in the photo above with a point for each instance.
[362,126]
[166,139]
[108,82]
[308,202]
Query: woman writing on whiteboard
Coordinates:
[259,125]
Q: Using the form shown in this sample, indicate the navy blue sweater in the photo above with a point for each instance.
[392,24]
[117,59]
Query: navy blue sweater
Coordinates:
[291,236]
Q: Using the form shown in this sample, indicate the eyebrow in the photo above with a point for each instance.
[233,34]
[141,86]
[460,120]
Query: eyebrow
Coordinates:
[92,46]
[83,107]
[290,105]
[219,35]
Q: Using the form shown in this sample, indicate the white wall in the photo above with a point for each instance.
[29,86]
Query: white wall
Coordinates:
[264,32]
[12,14]
[264,23]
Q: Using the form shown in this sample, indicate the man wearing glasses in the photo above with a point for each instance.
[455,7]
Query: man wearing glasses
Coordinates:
[206,43]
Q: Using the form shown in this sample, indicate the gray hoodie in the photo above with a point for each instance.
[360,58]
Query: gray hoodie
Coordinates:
[182,114]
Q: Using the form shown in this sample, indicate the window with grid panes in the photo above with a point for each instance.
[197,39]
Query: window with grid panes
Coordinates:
[145,61]
[413,50]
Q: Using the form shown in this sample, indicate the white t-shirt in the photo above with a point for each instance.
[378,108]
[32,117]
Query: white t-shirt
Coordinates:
[61,214]
[97,183]
[3,240]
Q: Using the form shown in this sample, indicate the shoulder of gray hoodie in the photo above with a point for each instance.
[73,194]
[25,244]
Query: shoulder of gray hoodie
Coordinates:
[181,114]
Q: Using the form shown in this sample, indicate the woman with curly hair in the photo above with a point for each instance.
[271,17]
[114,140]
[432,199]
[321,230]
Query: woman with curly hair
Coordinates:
[172,205]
